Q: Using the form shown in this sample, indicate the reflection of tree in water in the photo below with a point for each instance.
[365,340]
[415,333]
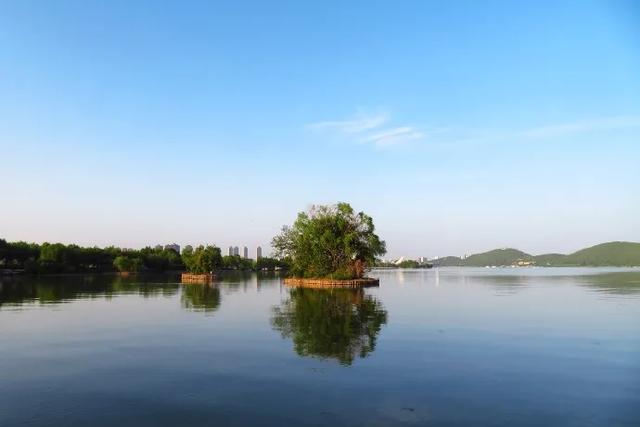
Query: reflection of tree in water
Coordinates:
[339,324]
[200,297]
[61,289]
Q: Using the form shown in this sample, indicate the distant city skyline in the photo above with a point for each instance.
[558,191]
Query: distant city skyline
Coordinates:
[459,127]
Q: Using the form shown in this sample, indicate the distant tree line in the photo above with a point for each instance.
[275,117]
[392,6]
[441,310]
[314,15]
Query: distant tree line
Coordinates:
[61,258]
[50,258]
[407,263]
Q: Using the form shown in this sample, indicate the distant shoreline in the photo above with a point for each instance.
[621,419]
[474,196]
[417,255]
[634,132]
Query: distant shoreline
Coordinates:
[509,267]
[610,254]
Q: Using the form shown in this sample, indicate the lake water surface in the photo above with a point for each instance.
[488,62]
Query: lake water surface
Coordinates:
[442,347]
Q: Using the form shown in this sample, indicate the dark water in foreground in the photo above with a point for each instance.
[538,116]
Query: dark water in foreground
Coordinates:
[447,347]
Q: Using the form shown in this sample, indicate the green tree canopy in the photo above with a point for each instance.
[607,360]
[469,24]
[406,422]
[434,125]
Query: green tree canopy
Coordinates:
[127,264]
[329,241]
[202,259]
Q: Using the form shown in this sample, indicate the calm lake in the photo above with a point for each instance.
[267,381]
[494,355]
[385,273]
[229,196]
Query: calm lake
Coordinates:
[443,347]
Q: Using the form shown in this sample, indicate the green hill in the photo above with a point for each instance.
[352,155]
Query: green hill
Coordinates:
[549,259]
[506,256]
[611,253]
[605,254]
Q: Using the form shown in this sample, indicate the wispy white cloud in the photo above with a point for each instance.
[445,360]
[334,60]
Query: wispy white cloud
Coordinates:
[394,136]
[369,129]
[377,130]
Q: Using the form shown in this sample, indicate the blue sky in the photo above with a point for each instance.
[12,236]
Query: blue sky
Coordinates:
[459,126]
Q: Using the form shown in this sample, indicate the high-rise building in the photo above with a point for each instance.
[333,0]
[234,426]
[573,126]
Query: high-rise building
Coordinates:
[245,251]
[258,252]
[230,251]
[236,251]
[174,246]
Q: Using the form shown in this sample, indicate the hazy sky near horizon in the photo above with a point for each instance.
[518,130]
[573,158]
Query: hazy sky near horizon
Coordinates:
[459,126]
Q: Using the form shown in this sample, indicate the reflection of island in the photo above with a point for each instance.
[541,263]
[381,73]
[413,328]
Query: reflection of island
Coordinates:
[199,297]
[339,324]
[62,289]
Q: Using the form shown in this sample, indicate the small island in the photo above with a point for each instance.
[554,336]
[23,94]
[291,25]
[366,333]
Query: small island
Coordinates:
[200,264]
[329,246]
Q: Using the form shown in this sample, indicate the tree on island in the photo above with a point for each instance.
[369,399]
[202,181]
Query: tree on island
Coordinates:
[329,241]
[202,259]
[125,264]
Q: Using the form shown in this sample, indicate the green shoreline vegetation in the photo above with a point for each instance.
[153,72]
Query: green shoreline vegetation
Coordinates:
[407,263]
[58,258]
[326,242]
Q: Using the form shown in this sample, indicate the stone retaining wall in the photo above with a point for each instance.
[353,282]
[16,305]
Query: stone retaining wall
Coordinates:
[332,283]
[196,278]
